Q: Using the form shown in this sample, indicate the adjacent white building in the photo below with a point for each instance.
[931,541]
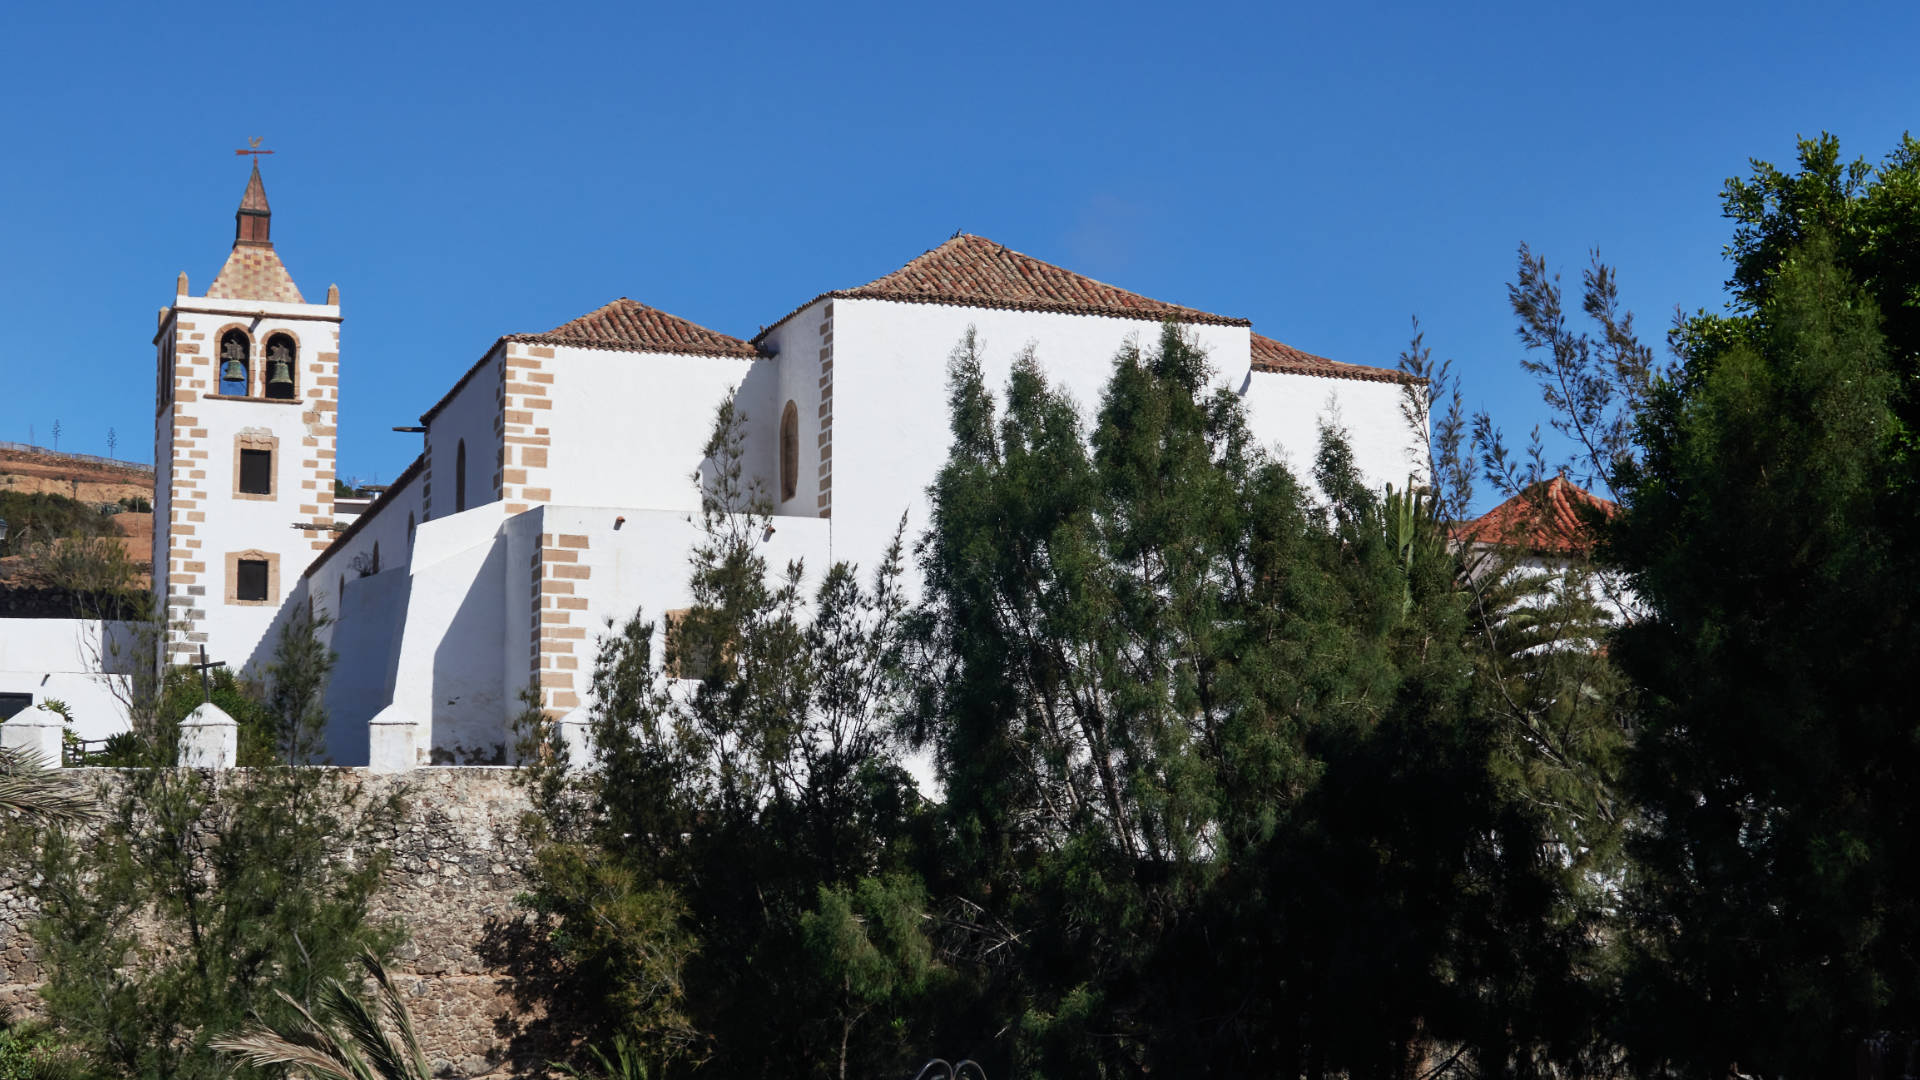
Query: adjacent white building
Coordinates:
[545,501]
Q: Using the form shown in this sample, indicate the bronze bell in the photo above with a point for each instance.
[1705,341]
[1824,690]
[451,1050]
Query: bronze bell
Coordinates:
[233,371]
[279,377]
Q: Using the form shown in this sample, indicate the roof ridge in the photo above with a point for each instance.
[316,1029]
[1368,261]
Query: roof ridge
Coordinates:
[628,325]
[1270,355]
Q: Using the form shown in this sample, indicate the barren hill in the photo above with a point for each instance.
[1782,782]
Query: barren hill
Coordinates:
[77,476]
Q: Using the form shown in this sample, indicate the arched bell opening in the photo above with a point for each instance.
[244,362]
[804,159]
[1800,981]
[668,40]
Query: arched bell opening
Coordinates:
[236,360]
[283,364]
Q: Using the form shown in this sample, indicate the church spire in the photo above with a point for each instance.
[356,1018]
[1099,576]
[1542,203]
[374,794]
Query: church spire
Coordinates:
[252,221]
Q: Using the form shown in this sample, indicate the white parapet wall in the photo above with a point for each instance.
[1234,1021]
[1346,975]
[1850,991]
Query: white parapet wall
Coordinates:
[81,662]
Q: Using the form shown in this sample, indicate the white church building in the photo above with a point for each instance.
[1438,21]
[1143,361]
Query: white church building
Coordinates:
[544,503]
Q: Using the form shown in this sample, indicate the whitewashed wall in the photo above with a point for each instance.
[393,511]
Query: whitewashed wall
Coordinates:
[1285,411]
[643,565]
[386,528]
[797,344]
[470,415]
[82,662]
[890,430]
[629,427]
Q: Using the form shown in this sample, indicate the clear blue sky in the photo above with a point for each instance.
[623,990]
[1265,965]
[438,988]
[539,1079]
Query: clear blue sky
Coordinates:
[1326,170]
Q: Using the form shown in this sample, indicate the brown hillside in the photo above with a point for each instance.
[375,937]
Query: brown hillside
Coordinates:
[85,479]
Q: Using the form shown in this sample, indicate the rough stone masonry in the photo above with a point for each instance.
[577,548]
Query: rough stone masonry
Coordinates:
[457,864]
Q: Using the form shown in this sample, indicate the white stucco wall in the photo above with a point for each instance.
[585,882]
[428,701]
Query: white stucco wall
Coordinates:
[644,563]
[629,427]
[1285,412]
[366,644]
[448,673]
[797,343]
[82,662]
[472,414]
[890,426]
[384,527]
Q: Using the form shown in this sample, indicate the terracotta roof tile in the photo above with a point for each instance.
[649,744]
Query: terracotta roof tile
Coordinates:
[973,271]
[1551,516]
[1273,356]
[254,272]
[631,326]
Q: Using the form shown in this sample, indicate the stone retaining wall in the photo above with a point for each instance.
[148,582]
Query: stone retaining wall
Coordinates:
[457,865]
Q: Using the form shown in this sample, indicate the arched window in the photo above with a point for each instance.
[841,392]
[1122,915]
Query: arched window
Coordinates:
[460,477]
[236,362]
[789,452]
[410,528]
[283,366]
[375,567]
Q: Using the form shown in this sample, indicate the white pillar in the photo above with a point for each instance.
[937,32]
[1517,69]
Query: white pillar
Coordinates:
[393,741]
[209,739]
[577,737]
[37,732]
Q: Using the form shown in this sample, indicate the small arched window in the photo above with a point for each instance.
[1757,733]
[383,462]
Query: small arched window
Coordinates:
[375,567]
[460,477]
[410,528]
[236,362]
[789,452]
[283,366]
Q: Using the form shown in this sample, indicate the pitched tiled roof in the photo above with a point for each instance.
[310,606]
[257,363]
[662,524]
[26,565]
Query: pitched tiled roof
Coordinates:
[254,272]
[973,271]
[1552,516]
[1273,356]
[634,327]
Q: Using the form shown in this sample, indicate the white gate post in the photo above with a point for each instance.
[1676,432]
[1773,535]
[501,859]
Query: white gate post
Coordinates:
[209,739]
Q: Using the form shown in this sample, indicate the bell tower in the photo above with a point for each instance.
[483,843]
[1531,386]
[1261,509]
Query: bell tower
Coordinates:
[248,379]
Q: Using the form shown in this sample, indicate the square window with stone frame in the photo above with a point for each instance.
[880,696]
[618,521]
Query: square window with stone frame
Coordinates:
[256,472]
[250,580]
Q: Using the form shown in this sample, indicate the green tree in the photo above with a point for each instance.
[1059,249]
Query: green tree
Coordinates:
[701,876]
[200,896]
[1769,532]
[1221,782]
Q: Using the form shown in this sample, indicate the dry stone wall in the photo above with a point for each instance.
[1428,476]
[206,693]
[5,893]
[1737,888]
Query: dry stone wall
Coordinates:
[456,866]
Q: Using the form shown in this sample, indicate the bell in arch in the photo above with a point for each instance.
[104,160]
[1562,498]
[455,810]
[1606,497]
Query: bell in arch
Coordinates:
[279,370]
[233,359]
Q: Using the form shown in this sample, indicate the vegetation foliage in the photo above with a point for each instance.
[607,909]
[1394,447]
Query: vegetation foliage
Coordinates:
[1230,770]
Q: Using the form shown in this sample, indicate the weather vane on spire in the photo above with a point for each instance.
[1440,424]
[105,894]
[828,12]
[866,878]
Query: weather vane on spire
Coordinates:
[253,147]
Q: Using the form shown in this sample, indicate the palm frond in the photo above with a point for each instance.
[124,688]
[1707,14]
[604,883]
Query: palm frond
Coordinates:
[31,788]
[348,1039]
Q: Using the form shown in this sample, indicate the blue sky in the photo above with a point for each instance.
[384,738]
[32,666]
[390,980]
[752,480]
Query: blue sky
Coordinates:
[1327,170]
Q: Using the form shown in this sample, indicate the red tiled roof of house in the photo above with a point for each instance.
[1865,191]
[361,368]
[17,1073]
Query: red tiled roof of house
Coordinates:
[1554,515]
[1273,356]
[631,326]
[973,271]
